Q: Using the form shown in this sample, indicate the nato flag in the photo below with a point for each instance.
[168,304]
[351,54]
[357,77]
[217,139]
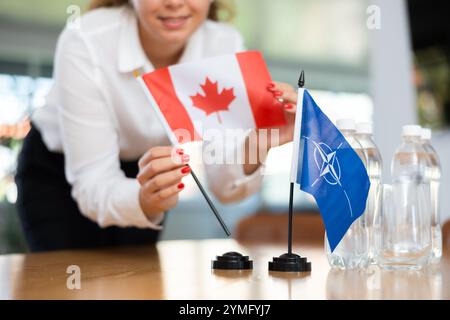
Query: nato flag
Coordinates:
[327,167]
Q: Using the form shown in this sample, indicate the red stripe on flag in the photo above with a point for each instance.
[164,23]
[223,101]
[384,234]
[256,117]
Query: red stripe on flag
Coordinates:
[266,110]
[161,87]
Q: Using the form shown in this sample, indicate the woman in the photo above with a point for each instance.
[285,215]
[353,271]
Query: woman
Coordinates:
[96,168]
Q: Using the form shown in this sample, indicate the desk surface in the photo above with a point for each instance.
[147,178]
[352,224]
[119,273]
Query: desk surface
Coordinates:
[181,270]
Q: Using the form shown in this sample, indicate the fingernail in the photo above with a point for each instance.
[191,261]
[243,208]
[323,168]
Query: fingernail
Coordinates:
[277,93]
[180,186]
[185,158]
[289,106]
[185,170]
[271,85]
[180,151]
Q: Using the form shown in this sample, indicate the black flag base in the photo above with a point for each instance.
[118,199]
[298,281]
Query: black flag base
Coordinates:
[290,262]
[232,261]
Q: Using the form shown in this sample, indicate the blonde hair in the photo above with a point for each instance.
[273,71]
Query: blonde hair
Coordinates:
[219,9]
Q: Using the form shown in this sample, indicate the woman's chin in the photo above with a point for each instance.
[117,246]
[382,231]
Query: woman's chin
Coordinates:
[179,37]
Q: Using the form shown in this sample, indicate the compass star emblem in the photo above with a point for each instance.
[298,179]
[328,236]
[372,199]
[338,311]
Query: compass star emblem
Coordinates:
[329,168]
[327,163]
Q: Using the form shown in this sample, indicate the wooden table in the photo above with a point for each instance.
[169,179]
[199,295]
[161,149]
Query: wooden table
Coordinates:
[181,270]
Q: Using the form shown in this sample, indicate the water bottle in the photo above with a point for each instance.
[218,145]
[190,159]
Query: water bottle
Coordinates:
[353,250]
[434,176]
[364,134]
[406,216]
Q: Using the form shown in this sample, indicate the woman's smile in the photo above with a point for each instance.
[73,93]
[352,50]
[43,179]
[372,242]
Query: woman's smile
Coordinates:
[174,22]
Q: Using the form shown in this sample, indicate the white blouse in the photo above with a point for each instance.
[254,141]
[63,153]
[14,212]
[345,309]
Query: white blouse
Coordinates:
[96,113]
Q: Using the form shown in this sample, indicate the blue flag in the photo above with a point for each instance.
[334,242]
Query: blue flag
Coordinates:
[327,167]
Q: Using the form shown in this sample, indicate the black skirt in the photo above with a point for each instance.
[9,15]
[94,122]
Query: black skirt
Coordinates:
[50,216]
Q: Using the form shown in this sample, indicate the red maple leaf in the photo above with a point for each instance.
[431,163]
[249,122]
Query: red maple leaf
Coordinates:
[213,101]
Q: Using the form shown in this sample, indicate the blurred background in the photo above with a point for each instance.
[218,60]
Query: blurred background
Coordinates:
[382,61]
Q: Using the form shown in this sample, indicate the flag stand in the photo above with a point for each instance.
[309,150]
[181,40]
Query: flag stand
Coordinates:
[291,262]
[229,260]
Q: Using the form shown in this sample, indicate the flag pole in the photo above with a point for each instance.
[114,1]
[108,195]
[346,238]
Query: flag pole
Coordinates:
[291,262]
[301,84]
[291,200]
[210,203]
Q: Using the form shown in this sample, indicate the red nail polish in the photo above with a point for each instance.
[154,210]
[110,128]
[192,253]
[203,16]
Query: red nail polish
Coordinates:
[271,85]
[185,170]
[185,158]
[180,186]
[288,106]
[180,151]
[277,93]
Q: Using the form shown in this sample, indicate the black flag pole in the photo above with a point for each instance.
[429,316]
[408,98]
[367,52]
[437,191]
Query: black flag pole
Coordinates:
[301,84]
[291,262]
[210,203]
[291,200]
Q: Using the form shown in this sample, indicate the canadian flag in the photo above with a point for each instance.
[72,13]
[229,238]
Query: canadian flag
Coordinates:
[223,92]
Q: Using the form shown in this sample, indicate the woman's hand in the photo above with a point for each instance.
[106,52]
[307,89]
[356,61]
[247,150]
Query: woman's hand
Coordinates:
[286,95]
[160,172]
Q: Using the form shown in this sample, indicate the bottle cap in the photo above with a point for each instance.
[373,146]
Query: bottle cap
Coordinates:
[426,134]
[412,131]
[345,124]
[364,128]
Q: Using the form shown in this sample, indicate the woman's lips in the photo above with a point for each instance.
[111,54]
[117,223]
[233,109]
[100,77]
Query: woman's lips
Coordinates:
[174,23]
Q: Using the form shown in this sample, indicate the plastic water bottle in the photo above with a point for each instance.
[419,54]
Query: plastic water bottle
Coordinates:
[364,134]
[406,240]
[353,250]
[434,175]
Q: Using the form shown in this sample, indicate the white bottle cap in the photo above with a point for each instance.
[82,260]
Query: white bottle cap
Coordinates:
[426,134]
[412,131]
[364,128]
[345,124]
